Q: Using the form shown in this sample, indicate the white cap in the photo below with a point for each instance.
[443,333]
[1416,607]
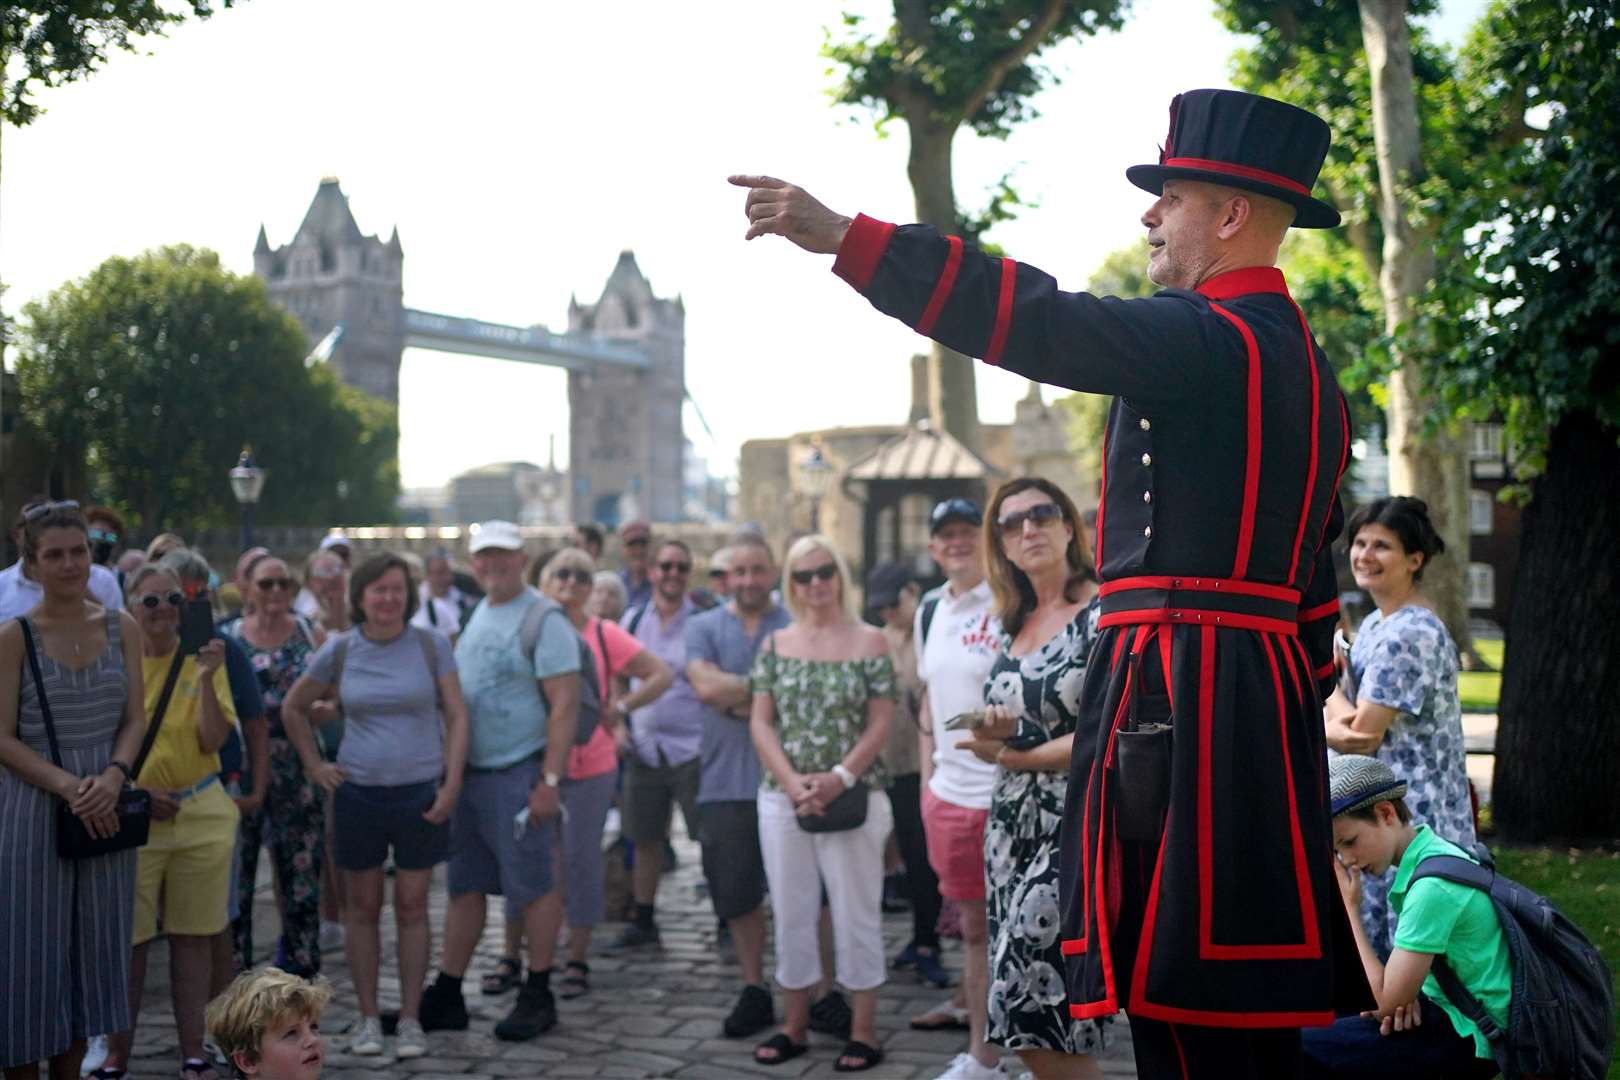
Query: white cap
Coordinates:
[332,540]
[496,534]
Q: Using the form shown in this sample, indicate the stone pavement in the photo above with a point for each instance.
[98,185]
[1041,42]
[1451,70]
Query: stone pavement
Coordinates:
[649,1015]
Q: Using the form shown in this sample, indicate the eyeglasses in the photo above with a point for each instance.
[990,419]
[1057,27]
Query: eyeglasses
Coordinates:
[151,600]
[638,542]
[674,567]
[103,536]
[274,583]
[965,509]
[1041,515]
[565,574]
[824,572]
[39,510]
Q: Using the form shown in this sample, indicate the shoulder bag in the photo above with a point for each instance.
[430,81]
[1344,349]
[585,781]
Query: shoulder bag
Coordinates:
[847,811]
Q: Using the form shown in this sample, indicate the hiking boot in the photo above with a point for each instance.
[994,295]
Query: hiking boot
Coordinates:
[634,936]
[534,1014]
[754,1012]
[442,1008]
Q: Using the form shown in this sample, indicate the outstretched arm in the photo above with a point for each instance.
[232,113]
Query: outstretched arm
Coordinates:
[776,206]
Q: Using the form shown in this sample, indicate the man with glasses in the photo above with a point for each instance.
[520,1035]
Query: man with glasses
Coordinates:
[19,592]
[636,540]
[665,763]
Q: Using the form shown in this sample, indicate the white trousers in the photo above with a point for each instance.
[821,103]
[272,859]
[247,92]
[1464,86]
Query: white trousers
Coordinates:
[849,865]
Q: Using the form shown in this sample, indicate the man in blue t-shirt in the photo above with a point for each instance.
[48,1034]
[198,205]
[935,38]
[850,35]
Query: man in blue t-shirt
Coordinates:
[522,708]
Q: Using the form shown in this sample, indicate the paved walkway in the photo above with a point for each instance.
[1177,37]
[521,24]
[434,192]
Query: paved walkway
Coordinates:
[652,1015]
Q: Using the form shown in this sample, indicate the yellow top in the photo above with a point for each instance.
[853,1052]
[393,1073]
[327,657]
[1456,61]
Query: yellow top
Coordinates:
[177,760]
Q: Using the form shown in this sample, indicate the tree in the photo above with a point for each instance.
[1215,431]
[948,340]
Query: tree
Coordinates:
[157,369]
[1527,317]
[941,65]
[1085,416]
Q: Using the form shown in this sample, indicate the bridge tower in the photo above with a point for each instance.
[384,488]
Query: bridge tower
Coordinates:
[330,274]
[625,438]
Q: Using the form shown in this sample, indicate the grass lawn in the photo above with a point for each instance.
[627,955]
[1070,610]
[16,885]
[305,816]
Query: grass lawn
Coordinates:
[1585,885]
[1478,690]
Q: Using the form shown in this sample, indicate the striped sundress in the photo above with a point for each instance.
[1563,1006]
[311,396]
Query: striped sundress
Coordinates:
[65,938]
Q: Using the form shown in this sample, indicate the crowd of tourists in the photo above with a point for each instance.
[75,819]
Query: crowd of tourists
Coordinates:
[373,718]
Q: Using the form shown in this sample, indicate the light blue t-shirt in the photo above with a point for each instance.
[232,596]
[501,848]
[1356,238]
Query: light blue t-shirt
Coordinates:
[505,709]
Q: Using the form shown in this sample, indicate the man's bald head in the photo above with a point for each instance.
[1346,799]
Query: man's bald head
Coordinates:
[1197,230]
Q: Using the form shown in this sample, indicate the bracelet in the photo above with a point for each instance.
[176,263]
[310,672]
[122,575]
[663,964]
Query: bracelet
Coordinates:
[1002,753]
[844,775]
[129,776]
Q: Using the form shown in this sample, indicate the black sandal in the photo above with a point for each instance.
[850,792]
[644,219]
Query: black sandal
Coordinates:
[575,981]
[831,1015]
[783,1047]
[865,1056]
[507,974]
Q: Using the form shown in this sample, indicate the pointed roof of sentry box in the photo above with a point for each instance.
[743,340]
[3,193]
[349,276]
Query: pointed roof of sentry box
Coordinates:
[924,452]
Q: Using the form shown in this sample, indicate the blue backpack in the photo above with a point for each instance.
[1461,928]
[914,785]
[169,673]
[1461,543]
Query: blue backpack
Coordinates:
[1561,1019]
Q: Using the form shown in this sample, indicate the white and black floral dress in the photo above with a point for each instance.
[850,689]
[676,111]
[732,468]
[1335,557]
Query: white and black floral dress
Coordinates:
[1028,1002]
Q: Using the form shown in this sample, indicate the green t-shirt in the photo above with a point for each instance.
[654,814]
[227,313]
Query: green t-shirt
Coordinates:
[1443,918]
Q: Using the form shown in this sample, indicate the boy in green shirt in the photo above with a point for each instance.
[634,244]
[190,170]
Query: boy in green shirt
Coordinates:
[1415,1032]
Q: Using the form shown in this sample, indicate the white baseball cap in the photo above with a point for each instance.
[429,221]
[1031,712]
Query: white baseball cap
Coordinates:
[496,534]
[332,540]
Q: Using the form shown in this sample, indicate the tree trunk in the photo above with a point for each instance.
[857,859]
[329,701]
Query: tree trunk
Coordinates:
[953,402]
[1558,736]
[1433,466]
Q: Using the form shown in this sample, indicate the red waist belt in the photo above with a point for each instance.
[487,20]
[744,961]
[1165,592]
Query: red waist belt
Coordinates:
[1222,602]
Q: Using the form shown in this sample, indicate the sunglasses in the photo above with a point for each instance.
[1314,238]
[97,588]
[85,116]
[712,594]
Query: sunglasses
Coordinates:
[583,577]
[675,567]
[824,572]
[103,536]
[39,510]
[1041,515]
[151,600]
[274,583]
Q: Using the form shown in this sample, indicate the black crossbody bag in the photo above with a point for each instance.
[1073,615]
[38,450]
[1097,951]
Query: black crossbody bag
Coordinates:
[847,811]
[134,807]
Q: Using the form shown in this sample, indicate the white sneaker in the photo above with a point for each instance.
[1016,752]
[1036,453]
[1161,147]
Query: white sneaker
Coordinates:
[369,1039]
[410,1041]
[966,1067]
[331,936]
[95,1055]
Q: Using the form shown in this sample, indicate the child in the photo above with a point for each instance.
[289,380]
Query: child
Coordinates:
[1409,1034]
[269,1024]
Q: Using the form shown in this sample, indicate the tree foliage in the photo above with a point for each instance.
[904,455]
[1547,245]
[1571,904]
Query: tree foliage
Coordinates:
[159,368]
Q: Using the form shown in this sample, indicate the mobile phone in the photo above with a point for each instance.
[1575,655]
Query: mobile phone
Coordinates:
[196,625]
[963,721]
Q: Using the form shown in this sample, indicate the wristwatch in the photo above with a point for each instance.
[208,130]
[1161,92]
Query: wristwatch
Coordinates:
[844,775]
[129,776]
[551,779]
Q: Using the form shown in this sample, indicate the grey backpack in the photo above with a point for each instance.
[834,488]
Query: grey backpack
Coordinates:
[590,692]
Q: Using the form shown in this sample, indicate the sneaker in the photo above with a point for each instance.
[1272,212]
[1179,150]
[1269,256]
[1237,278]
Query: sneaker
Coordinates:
[411,1041]
[95,1055]
[534,1014]
[906,958]
[929,969]
[442,1008]
[831,1015]
[331,936]
[634,936]
[967,1067]
[753,1013]
[368,1041]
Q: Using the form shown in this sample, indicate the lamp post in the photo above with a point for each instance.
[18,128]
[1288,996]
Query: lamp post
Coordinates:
[247,481]
[817,473]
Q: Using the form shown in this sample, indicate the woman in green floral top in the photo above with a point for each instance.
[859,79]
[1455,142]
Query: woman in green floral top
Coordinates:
[823,694]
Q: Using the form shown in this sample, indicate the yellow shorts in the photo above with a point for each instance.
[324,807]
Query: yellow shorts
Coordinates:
[187,862]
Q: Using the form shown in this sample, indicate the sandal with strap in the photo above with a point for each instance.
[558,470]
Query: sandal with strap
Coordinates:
[780,1045]
[865,1057]
[575,981]
[197,1069]
[507,974]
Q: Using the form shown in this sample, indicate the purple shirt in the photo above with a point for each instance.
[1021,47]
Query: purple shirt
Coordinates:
[670,730]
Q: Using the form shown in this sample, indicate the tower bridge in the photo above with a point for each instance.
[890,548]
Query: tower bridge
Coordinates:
[625,354]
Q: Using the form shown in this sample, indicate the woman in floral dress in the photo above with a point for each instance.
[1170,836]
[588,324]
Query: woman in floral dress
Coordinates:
[1399,698]
[1045,597]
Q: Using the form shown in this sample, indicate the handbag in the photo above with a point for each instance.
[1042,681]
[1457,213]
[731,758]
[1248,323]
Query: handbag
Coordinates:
[846,812]
[134,807]
[1143,755]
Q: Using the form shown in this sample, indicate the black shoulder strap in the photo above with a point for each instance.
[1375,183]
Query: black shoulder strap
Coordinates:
[635,619]
[607,661]
[930,606]
[39,690]
[1455,869]
[1464,872]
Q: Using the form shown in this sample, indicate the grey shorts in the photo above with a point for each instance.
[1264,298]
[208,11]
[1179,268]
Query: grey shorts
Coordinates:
[650,795]
[486,856]
[732,863]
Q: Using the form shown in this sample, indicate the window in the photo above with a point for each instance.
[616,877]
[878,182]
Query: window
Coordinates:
[1481,585]
[914,510]
[884,532]
[1486,441]
[1480,510]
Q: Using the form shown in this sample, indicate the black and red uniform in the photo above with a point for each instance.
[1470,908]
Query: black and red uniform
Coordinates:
[1226,441]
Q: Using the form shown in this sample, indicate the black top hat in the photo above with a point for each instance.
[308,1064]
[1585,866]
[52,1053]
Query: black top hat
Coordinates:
[1244,141]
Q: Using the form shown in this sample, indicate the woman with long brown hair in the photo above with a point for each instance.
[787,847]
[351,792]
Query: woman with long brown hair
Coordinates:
[1045,588]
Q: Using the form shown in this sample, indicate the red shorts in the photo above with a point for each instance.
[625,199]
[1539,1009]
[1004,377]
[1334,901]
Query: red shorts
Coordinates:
[955,846]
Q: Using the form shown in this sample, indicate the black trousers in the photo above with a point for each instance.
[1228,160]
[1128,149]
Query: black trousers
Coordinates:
[1187,1052]
[922,886]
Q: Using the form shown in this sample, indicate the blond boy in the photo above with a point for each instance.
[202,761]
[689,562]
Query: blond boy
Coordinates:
[269,1024]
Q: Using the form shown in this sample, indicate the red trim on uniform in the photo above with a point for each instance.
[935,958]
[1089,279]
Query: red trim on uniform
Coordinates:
[1206,792]
[942,287]
[1244,281]
[1227,168]
[1320,611]
[1180,1056]
[1090,1011]
[1325,671]
[1004,304]
[862,250]
[1209,620]
[1302,875]
[1201,584]
[1316,415]
[1150,919]
[1212,1018]
[1251,453]
[1073,947]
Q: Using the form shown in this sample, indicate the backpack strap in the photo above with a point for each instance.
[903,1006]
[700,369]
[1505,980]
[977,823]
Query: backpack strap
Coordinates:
[340,652]
[635,619]
[1455,869]
[1465,872]
[529,632]
[929,608]
[430,657]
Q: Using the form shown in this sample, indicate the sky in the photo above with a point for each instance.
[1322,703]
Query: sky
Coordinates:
[520,146]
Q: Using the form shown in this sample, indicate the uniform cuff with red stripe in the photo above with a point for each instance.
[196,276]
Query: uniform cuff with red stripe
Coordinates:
[862,250]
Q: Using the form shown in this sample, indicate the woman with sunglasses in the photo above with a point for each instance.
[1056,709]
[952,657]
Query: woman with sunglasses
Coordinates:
[183,874]
[1045,590]
[292,820]
[65,941]
[824,692]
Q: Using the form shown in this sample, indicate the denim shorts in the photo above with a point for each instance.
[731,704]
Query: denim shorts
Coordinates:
[487,854]
[367,820]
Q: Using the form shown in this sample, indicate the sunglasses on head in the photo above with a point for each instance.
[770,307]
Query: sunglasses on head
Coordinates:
[151,600]
[675,567]
[269,583]
[39,510]
[567,574]
[1041,515]
[824,572]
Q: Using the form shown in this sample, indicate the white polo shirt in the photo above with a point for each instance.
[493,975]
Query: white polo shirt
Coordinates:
[962,642]
[18,594]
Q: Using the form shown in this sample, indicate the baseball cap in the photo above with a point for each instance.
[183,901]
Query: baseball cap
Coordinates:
[635,530]
[954,509]
[885,583]
[1356,781]
[332,540]
[496,534]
